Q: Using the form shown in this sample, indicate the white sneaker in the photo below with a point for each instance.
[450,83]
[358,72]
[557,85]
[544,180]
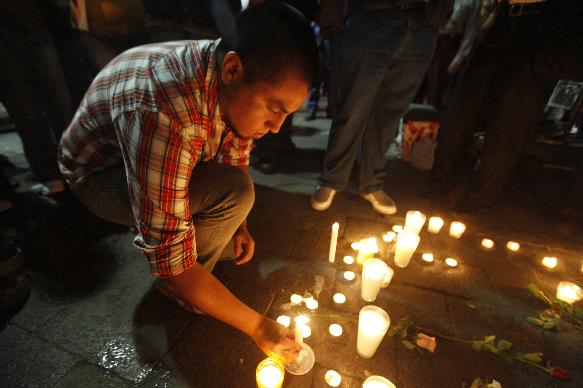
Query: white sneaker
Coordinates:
[381,202]
[322,198]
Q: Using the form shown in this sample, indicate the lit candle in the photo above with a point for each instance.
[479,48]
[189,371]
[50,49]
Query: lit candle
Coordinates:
[373,275]
[311,303]
[487,243]
[355,246]
[339,298]
[569,292]
[296,299]
[406,244]
[451,262]
[368,249]
[373,323]
[349,275]
[306,331]
[456,229]
[428,257]
[435,224]
[300,323]
[389,236]
[397,228]
[377,382]
[333,242]
[335,330]
[512,246]
[549,262]
[414,221]
[388,277]
[348,260]
[269,374]
[284,320]
[333,378]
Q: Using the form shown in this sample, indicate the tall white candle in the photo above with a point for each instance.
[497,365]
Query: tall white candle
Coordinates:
[457,229]
[333,242]
[406,244]
[373,323]
[377,382]
[373,275]
[414,221]
[434,225]
[569,292]
[300,323]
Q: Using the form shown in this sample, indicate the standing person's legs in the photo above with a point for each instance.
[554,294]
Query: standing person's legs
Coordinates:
[221,197]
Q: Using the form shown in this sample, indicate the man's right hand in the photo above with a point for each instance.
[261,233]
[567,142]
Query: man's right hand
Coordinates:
[276,340]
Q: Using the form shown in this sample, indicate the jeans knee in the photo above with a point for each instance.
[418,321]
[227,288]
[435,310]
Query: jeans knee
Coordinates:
[242,189]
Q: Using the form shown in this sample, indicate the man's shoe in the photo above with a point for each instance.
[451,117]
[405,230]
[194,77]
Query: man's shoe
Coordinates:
[322,198]
[381,202]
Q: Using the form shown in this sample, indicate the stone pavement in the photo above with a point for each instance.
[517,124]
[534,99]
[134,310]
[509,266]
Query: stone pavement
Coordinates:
[94,320]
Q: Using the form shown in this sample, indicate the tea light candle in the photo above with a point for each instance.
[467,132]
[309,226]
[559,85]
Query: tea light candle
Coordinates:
[296,299]
[569,292]
[389,237]
[333,242]
[406,244]
[349,275]
[348,260]
[355,246]
[428,257]
[335,330]
[549,262]
[269,374]
[339,298]
[373,323]
[300,323]
[397,228]
[333,378]
[311,303]
[388,277]
[414,221]
[368,249]
[377,382]
[487,243]
[284,320]
[373,275]
[435,224]
[512,246]
[457,229]
[451,262]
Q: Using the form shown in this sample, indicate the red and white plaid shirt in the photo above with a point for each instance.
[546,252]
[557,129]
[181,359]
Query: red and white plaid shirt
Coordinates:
[155,109]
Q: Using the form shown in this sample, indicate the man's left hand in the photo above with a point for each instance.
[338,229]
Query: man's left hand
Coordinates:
[244,245]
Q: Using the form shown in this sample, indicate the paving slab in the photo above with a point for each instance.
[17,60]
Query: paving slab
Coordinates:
[84,374]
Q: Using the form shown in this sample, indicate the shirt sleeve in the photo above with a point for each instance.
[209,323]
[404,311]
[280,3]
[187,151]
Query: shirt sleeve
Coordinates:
[159,160]
[235,151]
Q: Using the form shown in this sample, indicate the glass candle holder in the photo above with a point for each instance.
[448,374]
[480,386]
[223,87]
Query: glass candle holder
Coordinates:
[269,374]
[373,323]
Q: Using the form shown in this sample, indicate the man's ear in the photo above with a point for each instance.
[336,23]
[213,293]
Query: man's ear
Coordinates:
[232,69]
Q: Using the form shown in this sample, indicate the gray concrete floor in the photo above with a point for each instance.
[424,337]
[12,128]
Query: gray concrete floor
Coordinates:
[94,320]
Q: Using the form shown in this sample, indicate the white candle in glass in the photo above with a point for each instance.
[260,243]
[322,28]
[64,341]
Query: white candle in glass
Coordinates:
[377,382]
[513,246]
[457,229]
[335,330]
[339,298]
[406,244]
[349,275]
[487,243]
[368,248]
[549,262]
[333,242]
[373,323]
[348,260]
[284,320]
[333,378]
[434,225]
[569,292]
[269,374]
[414,221]
[373,275]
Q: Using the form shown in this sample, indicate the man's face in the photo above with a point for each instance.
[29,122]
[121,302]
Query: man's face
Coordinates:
[254,109]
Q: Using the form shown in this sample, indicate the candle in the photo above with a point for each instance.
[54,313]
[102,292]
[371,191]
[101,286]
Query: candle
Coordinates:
[368,249]
[306,331]
[451,262]
[397,228]
[406,244]
[339,298]
[549,262]
[296,299]
[335,330]
[428,257]
[487,243]
[348,260]
[300,321]
[388,277]
[377,382]
[373,275]
[333,378]
[349,275]
[414,221]
[569,292]
[333,242]
[355,246]
[434,225]
[311,303]
[389,236]
[512,246]
[284,320]
[269,374]
[456,229]
[373,323]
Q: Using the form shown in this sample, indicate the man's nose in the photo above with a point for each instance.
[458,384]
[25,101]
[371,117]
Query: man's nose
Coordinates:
[275,124]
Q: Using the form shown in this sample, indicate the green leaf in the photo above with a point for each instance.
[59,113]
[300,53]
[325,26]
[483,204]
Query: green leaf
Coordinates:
[578,313]
[533,288]
[490,338]
[534,357]
[477,345]
[408,344]
[489,346]
[504,345]
[534,321]
[550,324]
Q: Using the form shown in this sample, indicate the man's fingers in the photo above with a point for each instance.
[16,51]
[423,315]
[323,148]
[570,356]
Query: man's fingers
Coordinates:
[247,254]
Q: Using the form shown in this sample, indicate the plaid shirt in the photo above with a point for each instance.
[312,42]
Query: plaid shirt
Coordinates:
[155,109]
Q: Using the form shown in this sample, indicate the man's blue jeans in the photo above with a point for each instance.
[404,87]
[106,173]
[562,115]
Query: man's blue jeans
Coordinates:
[382,59]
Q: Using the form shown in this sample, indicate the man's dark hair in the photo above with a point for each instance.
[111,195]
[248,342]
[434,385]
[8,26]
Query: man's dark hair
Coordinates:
[272,38]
